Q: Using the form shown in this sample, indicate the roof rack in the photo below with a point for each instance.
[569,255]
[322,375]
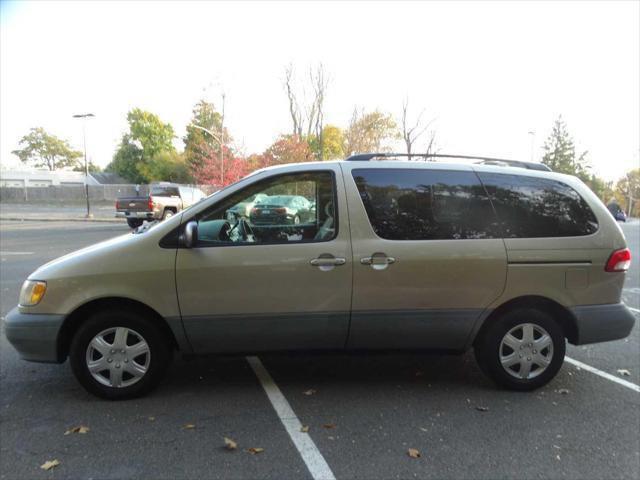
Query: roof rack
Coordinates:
[364,157]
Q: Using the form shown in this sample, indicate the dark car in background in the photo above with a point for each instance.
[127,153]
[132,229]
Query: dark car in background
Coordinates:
[282,210]
[243,209]
[617,211]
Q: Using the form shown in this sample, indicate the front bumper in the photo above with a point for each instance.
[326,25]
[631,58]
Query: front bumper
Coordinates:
[602,323]
[144,215]
[34,335]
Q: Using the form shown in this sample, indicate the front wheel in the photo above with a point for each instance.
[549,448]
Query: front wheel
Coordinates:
[521,350]
[119,355]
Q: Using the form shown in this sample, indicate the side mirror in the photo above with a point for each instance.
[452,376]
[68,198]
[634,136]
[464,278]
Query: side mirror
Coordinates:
[189,237]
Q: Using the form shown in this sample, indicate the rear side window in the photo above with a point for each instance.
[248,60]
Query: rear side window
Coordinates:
[530,207]
[420,204]
[162,191]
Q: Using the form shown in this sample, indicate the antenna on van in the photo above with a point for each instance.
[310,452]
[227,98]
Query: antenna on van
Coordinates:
[365,157]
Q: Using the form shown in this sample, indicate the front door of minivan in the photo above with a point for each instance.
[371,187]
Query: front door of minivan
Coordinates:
[271,268]
[427,255]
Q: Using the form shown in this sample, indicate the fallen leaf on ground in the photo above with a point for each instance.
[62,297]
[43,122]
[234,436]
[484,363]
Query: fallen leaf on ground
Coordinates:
[329,425]
[49,464]
[624,372]
[304,428]
[254,450]
[413,453]
[482,409]
[189,426]
[152,419]
[309,392]
[78,429]
[563,391]
[423,429]
[230,444]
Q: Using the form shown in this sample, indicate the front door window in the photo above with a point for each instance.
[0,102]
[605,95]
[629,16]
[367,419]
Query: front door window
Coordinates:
[288,208]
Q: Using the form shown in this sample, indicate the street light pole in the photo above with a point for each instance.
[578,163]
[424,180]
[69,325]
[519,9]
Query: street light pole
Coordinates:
[84,117]
[533,141]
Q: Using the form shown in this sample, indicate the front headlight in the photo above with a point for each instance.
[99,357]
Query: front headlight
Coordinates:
[32,292]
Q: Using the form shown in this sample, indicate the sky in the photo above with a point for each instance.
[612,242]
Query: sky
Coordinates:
[486,73]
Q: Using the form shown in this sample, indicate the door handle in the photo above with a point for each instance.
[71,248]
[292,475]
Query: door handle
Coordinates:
[378,261]
[382,260]
[327,261]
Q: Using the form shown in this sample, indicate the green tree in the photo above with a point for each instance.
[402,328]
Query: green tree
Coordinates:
[332,143]
[370,132]
[147,137]
[42,149]
[627,192]
[198,144]
[92,167]
[126,160]
[560,152]
[601,188]
[166,166]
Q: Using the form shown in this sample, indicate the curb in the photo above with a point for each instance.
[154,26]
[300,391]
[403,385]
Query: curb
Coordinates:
[62,219]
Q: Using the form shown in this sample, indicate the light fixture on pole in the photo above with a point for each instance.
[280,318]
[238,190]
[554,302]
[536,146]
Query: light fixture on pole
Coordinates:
[84,117]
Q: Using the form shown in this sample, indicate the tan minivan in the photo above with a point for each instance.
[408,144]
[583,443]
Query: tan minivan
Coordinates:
[347,255]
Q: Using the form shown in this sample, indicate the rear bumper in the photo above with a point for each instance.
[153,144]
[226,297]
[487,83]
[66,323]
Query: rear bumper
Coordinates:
[34,336]
[144,215]
[602,323]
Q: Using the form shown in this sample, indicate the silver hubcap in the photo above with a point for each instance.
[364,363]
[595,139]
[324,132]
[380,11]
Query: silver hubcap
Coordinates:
[526,351]
[118,357]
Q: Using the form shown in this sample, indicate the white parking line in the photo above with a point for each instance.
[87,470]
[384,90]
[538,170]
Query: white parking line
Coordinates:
[608,376]
[16,253]
[312,457]
[635,310]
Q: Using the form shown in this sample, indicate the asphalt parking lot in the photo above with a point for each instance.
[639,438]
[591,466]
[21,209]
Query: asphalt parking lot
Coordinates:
[363,411]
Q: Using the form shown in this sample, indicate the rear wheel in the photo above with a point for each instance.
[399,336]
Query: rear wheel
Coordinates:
[521,350]
[119,355]
[167,214]
[134,222]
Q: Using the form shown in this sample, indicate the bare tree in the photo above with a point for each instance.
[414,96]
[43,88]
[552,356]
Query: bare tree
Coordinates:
[294,106]
[307,115]
[431,147]
[320,82]
[411,132]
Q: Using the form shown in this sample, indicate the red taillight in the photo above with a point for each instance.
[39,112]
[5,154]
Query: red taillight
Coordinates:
[150,202]
[619,261]
[117,205]
[255,211]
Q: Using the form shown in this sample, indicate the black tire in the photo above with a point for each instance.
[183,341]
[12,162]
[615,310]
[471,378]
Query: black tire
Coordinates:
[134,222]
[487,349]
[168,214]
[160,353]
